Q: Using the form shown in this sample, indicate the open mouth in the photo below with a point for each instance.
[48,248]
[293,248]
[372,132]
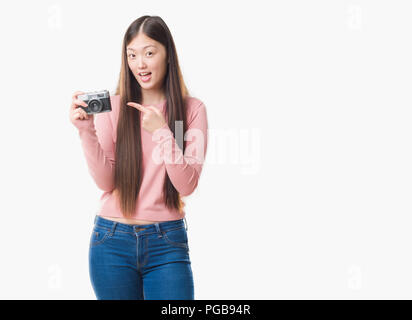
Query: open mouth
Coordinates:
[145,76]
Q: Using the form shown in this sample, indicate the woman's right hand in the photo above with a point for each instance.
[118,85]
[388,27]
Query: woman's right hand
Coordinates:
[79,118]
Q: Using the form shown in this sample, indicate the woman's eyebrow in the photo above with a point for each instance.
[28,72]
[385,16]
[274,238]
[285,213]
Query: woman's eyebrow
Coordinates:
[142,48]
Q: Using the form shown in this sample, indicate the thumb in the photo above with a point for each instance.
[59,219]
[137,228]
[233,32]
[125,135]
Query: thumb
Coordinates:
[153,109]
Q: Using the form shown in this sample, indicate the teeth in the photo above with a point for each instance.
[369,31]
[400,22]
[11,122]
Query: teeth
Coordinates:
[143,74]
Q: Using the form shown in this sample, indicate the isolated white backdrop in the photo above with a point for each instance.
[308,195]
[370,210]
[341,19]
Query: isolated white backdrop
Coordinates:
[306,188]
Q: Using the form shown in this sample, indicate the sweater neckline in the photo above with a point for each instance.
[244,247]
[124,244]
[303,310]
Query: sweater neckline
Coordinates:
[160,104]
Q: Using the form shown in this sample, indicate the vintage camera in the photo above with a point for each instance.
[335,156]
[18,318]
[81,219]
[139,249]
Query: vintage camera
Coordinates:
[97,101]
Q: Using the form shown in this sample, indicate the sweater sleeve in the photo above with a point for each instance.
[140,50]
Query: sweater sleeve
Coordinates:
[99,150]
[184,169]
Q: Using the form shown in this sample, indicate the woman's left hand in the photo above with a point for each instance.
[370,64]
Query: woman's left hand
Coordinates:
[152,118]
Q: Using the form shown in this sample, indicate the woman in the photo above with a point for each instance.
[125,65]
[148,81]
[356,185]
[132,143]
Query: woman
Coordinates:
[136,155]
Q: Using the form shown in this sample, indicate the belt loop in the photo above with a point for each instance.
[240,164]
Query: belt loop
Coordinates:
[113,227]
[158,229]
[185,223]
[95,218]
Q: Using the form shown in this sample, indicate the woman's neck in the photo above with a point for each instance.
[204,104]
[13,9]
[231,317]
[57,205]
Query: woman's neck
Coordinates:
[153,98]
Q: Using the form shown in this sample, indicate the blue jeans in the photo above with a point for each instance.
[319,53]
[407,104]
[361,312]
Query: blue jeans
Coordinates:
[140,262]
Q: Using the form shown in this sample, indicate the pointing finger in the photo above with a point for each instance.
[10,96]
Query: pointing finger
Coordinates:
[137,106]
[152,108]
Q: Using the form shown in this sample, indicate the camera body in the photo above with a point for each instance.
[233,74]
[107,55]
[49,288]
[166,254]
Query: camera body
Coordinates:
[97,101]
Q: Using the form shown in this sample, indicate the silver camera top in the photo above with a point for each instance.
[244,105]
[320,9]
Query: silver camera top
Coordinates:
[94,95]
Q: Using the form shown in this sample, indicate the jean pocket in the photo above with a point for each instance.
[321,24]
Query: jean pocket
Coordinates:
[176,237]
[99,235]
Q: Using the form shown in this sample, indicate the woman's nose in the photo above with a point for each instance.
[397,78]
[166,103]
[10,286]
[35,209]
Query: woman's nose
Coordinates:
[140,64]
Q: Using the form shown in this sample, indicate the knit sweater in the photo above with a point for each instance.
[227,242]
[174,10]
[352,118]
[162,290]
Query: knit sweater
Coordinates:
[161,155]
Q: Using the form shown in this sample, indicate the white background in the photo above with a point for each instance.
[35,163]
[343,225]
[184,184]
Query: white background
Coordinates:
[306,188]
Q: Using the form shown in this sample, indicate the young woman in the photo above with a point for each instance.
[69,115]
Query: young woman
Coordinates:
[146,154]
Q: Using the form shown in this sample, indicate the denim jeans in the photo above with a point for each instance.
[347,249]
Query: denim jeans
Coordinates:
[140,262]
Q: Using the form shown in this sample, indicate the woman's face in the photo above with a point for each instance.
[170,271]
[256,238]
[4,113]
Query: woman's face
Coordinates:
[147,55]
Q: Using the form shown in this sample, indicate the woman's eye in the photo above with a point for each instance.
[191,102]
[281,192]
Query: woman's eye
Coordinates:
[131,54]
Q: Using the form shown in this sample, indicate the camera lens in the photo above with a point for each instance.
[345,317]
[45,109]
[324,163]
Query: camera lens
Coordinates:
[95,106]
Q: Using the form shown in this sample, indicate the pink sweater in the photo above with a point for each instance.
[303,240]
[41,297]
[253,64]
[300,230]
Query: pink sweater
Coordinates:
[161,155]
